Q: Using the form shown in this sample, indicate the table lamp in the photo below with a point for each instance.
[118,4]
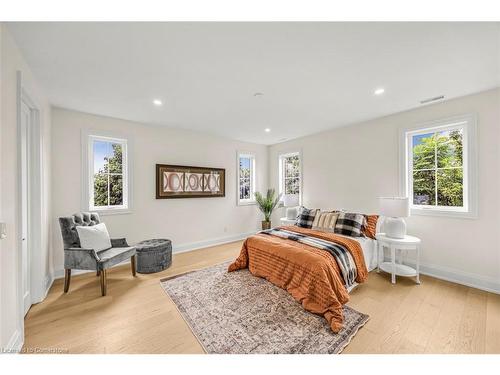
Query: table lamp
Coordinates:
[394,209]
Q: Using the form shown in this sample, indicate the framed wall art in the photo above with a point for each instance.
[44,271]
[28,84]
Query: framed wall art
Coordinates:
[177,181]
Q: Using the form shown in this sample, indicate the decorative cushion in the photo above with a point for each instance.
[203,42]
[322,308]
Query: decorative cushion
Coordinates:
[350,224]
[325,221]
[306,217]
[94,237]
[370,229]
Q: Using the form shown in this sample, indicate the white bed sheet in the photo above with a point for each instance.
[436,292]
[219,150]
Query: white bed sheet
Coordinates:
[369,247]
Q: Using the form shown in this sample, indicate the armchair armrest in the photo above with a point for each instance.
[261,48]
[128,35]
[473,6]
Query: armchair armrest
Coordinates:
[81,259]
[119,242]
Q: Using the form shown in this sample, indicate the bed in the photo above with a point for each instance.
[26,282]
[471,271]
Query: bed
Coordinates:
[311,275]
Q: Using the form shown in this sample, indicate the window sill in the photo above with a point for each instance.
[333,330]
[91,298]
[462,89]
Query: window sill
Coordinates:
[246,203]
[118,211]
[443,213]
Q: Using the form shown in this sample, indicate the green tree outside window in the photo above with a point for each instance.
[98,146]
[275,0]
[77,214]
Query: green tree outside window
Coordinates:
[108,180]
[245,171]
[291,177]
[438,168]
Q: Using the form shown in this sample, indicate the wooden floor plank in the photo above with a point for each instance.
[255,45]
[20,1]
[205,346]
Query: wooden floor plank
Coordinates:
[493,324]
[472,330]
[444,337]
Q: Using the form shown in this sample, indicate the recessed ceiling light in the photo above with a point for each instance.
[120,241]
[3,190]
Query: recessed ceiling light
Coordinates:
[267,130]
[379,91]
[157,102]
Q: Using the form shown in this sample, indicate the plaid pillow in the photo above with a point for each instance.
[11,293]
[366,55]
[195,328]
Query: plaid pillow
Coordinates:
[306,217]
[350,224]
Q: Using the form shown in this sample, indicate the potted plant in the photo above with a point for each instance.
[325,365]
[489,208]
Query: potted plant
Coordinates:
[267,204]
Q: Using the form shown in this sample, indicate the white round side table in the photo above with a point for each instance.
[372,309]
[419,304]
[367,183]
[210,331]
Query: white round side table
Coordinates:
[393,267]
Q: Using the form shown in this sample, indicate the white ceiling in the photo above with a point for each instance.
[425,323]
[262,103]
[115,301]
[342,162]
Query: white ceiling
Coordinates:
[314,76]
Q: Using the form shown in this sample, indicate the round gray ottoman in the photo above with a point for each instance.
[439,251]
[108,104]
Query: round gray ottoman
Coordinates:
[153,255]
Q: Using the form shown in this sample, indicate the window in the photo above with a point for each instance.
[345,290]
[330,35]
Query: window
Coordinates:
[108,189]
[246,179]
[440,171]
[290,174]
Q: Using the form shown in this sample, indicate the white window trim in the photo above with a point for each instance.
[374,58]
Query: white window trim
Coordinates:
[88,136]
[470,166]
[253,183]
[281,185]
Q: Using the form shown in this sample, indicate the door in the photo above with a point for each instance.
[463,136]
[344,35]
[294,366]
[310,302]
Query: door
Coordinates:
[25,251]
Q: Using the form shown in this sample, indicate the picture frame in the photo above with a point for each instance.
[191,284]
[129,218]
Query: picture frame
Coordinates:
[179,181]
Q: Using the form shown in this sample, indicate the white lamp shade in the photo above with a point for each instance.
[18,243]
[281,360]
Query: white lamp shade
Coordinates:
[394,206]
[291,200]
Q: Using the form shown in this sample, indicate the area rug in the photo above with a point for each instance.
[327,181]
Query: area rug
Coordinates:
[239,313]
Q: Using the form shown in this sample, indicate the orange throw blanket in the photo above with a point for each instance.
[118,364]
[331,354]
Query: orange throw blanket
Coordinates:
[309,274]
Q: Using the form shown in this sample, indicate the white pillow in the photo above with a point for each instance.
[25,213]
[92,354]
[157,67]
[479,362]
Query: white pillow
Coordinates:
[95,237]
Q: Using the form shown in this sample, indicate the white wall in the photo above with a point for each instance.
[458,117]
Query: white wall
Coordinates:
[350,167]
[12,61]
[187,222]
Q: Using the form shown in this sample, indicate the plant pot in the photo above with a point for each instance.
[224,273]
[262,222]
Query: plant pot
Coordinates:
[266,225]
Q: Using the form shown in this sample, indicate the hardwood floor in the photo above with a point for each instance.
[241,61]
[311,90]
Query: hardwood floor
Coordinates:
[137,317]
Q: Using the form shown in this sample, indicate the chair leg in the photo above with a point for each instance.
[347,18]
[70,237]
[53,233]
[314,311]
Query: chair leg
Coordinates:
[104,282]
[98,273]
[132,264]
[67,279]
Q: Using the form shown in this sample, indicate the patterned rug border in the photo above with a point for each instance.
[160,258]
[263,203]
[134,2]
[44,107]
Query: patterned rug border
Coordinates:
[178,308]
[362,323]
[192,271]
[185,316]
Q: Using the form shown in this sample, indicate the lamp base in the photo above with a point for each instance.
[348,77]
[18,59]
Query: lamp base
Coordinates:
[395,227]
[291,213]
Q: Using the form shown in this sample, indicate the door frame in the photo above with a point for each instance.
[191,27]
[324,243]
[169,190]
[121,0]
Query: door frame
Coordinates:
[35,199]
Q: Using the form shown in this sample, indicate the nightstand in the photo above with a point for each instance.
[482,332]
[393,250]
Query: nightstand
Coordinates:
[285,221]
[409,243]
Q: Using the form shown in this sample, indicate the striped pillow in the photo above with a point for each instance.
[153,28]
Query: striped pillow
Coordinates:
[370,229]
[325,221]
[350,224]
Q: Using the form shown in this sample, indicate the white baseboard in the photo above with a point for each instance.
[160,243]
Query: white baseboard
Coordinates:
[488,284]
[15,343]
[58,274]
[209,243]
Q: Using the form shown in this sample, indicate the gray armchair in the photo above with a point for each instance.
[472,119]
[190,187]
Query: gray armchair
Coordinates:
[88,259]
